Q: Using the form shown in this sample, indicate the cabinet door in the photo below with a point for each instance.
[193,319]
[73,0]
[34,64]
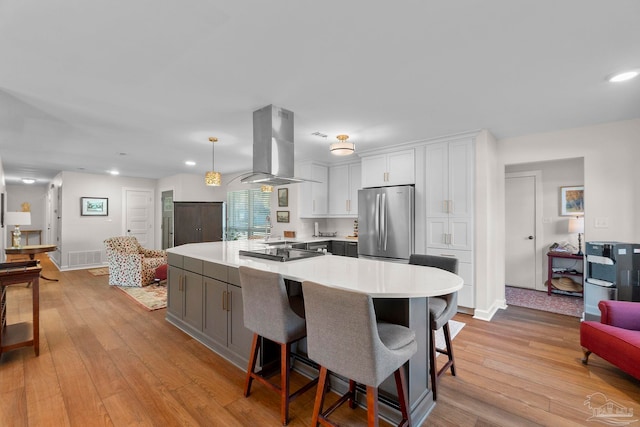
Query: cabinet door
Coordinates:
[186,223]
[355,184]
[461,179]
[437,231]
[211,222]
[374,169]
[351,250]
[313,199]
[215,318]
[461,233]
[401,168]
[174,291]
[338,248]
[193,307]
[339,190]
[240,338]
[437,180]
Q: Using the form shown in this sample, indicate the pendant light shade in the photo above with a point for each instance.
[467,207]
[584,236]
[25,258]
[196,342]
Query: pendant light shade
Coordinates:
[342,148]
[213,178]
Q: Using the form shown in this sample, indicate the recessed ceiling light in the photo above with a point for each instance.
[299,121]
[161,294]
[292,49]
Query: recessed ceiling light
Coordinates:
[190,163]
[114,172]
[28,180]
[623,77]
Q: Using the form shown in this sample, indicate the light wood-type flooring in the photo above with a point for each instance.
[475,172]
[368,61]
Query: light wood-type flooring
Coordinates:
[106,361]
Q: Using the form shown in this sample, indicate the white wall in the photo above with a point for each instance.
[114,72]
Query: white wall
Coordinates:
[82,233]
[35,195]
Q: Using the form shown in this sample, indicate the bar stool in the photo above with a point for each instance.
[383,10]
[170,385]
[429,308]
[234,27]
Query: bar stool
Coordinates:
[343,337]
[268,314]
[441,310]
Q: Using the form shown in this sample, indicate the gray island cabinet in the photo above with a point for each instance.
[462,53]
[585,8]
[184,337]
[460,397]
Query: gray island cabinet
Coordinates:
[204,300]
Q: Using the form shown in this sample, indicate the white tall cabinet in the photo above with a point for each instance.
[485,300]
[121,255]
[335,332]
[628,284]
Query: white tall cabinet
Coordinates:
[449,171]
[344,183]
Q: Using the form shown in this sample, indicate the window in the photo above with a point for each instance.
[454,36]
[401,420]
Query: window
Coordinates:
[247,213]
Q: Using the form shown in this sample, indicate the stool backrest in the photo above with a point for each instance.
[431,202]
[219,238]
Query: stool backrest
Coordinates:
[266,305]
[342,333]
[445,263]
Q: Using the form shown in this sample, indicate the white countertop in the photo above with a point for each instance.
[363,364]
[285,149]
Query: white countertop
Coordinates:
[379,279]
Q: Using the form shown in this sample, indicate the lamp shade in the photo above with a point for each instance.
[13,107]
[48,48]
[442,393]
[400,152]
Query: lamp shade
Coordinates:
[576,225]
[18,218]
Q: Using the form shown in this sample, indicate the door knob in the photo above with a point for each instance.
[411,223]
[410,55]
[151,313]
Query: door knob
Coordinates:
[530,237]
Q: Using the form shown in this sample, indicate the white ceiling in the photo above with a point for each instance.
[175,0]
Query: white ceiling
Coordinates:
[82,82]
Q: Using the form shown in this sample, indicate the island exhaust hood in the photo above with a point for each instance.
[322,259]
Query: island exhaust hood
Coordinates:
[272,147]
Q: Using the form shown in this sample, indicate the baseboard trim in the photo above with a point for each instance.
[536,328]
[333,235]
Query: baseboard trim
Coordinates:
[487,315]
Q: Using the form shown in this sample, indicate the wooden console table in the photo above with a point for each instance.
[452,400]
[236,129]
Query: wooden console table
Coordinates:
[20,334]
[555,271]
[32,251]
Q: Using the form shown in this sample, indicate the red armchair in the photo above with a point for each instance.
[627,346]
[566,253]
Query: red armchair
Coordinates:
[616,338]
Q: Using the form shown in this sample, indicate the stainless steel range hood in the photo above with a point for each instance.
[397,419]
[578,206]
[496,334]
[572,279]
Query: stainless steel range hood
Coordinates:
[272,147]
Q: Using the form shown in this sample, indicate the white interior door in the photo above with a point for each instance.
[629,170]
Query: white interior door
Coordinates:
[520,201]
[139,216]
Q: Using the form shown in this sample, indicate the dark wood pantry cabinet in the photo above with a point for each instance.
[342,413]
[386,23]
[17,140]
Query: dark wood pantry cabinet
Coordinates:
[196,222]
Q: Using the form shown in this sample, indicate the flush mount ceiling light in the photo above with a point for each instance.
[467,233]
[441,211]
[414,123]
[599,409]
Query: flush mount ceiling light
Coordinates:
[342,148]
[190,163]
[623,77]
[28,180]
[213,178]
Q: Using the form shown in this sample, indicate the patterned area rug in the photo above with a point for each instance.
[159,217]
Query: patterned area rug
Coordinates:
[152,297]
[539,300]
[104,271]
[454,328]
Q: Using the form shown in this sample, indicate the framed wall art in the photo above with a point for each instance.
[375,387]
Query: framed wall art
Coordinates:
[283,197]
[572,201]
[282,216]
[94,206]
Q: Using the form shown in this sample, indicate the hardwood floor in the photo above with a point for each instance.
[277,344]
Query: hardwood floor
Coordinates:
[106,361]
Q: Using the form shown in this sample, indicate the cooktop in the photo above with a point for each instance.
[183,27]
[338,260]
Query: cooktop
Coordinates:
[281,254]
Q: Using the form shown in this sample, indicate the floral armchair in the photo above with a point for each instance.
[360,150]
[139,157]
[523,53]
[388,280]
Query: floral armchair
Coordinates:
[130,264]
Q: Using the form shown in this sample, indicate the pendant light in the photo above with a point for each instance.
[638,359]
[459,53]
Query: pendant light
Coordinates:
[342,148]
[212,177]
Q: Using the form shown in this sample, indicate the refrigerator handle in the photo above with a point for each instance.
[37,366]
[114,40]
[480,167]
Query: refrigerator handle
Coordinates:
[384,220]
[377,219]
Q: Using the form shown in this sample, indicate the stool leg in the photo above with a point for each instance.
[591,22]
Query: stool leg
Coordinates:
[285,365]
[255,347]
[372,406]
[447,340]
[352,394]
[401,387]
[433,370]
[319,402]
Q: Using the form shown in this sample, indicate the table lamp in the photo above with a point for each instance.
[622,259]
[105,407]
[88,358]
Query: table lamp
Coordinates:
[576,225]
[17,219]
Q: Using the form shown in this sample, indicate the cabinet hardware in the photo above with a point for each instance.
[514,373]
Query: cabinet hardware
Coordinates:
[445,206]
[224,300]
[180,283]
[448,255]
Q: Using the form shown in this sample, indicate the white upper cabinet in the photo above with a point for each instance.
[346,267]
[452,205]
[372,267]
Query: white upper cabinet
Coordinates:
[313,200]
[382,170]
[344,183]
[449,177]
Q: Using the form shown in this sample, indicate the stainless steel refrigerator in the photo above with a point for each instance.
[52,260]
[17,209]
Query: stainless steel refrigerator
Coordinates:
[385,223]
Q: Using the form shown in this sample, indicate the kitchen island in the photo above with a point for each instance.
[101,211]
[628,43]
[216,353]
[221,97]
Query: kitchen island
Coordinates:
[205,301]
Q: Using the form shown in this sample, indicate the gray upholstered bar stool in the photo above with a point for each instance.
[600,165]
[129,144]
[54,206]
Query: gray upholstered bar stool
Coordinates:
[441,310]
[268,314]
[343,337]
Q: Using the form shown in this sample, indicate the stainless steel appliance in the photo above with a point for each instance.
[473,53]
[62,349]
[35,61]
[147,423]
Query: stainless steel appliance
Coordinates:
[386,223]
[281,254]
[612,273]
